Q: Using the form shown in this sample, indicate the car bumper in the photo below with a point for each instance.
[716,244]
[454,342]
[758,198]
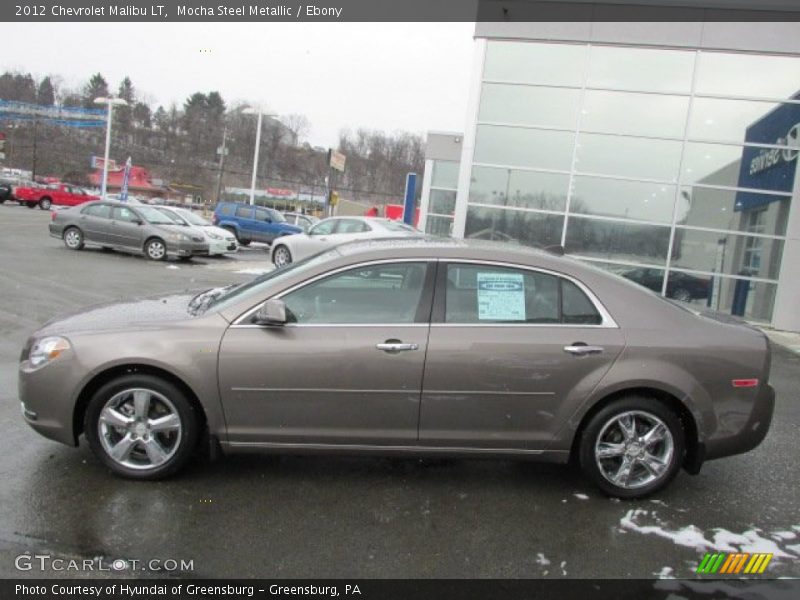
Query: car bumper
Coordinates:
[751,434]
[45,406]
[189,249]
[56,230]
[222,247]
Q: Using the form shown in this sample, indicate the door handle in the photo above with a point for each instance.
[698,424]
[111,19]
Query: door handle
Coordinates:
[579,349]
[393,346]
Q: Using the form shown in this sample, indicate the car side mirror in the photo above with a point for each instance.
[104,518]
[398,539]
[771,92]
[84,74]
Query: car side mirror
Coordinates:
[138,221]
[272,312]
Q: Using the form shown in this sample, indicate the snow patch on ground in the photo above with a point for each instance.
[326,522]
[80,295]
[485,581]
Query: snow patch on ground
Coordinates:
[665,573]
[690,536]
[581,496]
[541,559]
[563,569]
[784,535]
[173,267]
[253,271]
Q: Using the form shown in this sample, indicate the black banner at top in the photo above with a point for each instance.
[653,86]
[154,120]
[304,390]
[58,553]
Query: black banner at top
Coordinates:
[396,10]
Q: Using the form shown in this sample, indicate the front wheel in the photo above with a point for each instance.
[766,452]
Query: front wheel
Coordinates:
[73,238]
[141,426]
[632,447]
[281,257]
[155,249]
[45,203]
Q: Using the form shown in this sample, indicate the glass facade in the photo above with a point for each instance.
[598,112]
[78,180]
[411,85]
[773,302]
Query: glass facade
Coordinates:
[667,166]
[442,197]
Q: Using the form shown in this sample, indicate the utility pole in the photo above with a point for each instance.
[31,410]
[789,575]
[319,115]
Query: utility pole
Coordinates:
[223,151]
[33,165]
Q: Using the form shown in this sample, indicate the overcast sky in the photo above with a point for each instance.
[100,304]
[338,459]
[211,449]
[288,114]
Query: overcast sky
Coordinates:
[393,76]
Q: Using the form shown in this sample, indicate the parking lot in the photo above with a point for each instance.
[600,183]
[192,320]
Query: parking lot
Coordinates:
[249,516]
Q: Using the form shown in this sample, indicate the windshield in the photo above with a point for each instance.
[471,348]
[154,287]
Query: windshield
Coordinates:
[221,298]
[155,216]
[192,218]
[276,216]
[175,217]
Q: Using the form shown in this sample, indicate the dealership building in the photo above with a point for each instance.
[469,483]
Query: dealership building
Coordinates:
[664,151]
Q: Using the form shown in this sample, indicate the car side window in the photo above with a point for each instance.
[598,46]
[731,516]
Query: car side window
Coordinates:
[263,215]
[102,211]
[226,209]
[351,226]
[488,294]
[387,293]
[322,228]
[121,213]
[245,212]
[576,306]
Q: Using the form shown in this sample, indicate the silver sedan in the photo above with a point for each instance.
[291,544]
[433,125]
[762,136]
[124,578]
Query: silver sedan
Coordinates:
[334,231]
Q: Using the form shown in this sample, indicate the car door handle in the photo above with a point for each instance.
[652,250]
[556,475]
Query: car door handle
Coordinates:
[582,349]
[396,346]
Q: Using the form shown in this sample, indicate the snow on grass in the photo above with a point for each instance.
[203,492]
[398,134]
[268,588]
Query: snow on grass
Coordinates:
[722,540]
[665,573]
[541,559]
[581,496]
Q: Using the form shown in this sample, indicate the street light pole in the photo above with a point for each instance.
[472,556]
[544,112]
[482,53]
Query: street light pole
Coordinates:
[110,102]
[261,114]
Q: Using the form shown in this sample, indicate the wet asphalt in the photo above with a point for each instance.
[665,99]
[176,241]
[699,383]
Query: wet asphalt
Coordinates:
[266,516]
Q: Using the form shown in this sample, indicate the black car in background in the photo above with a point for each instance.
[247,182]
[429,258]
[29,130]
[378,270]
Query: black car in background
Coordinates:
[680,286]
[5,190]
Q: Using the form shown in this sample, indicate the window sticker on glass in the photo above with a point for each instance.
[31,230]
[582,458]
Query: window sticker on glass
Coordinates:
[501,297]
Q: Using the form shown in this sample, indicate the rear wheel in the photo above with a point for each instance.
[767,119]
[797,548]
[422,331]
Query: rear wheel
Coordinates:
[632,447]
[73,238]
[141,426]
[45,203]
[281,256]
[155,249]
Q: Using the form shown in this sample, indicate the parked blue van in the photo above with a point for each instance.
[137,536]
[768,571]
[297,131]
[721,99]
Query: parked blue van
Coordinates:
[252,223]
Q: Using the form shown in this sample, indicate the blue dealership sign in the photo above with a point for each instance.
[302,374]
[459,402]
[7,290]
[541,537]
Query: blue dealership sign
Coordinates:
[770,169]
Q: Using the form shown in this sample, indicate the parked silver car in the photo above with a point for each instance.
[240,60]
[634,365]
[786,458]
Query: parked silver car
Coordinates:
[332,231]
[448,348]
[122,226]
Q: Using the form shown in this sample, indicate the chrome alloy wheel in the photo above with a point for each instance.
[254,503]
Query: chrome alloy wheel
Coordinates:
[156,250]
[139,428]
[634,449]
[282,256]
[72,238]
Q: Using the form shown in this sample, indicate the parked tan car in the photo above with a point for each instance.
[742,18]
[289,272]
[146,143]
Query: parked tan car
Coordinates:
[446,348]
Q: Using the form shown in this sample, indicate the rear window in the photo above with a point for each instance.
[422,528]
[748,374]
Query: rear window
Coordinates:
[226,210]
[488,294]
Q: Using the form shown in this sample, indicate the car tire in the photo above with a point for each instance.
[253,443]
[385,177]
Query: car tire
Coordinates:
[45,203]
[155,249]
[617,456]
[142,426]
[681,295]
[281,256]
[73,238]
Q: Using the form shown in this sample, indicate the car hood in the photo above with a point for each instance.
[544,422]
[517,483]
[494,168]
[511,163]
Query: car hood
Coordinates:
[140,312]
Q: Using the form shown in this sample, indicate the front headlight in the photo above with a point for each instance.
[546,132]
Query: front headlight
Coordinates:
[213,236]
[178,237]
[47,349]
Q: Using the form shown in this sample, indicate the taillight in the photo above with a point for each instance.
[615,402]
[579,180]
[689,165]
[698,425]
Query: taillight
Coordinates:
[737,383]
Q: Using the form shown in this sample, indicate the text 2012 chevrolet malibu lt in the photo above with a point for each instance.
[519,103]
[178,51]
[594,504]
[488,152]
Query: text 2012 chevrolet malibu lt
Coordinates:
[415,347]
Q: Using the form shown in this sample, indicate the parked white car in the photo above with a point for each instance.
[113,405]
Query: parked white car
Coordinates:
[332,232]
[220,241]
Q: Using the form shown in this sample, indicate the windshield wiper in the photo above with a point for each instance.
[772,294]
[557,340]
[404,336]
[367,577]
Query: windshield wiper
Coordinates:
[203,300]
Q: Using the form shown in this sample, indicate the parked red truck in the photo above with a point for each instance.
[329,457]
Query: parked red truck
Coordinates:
[59,194]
